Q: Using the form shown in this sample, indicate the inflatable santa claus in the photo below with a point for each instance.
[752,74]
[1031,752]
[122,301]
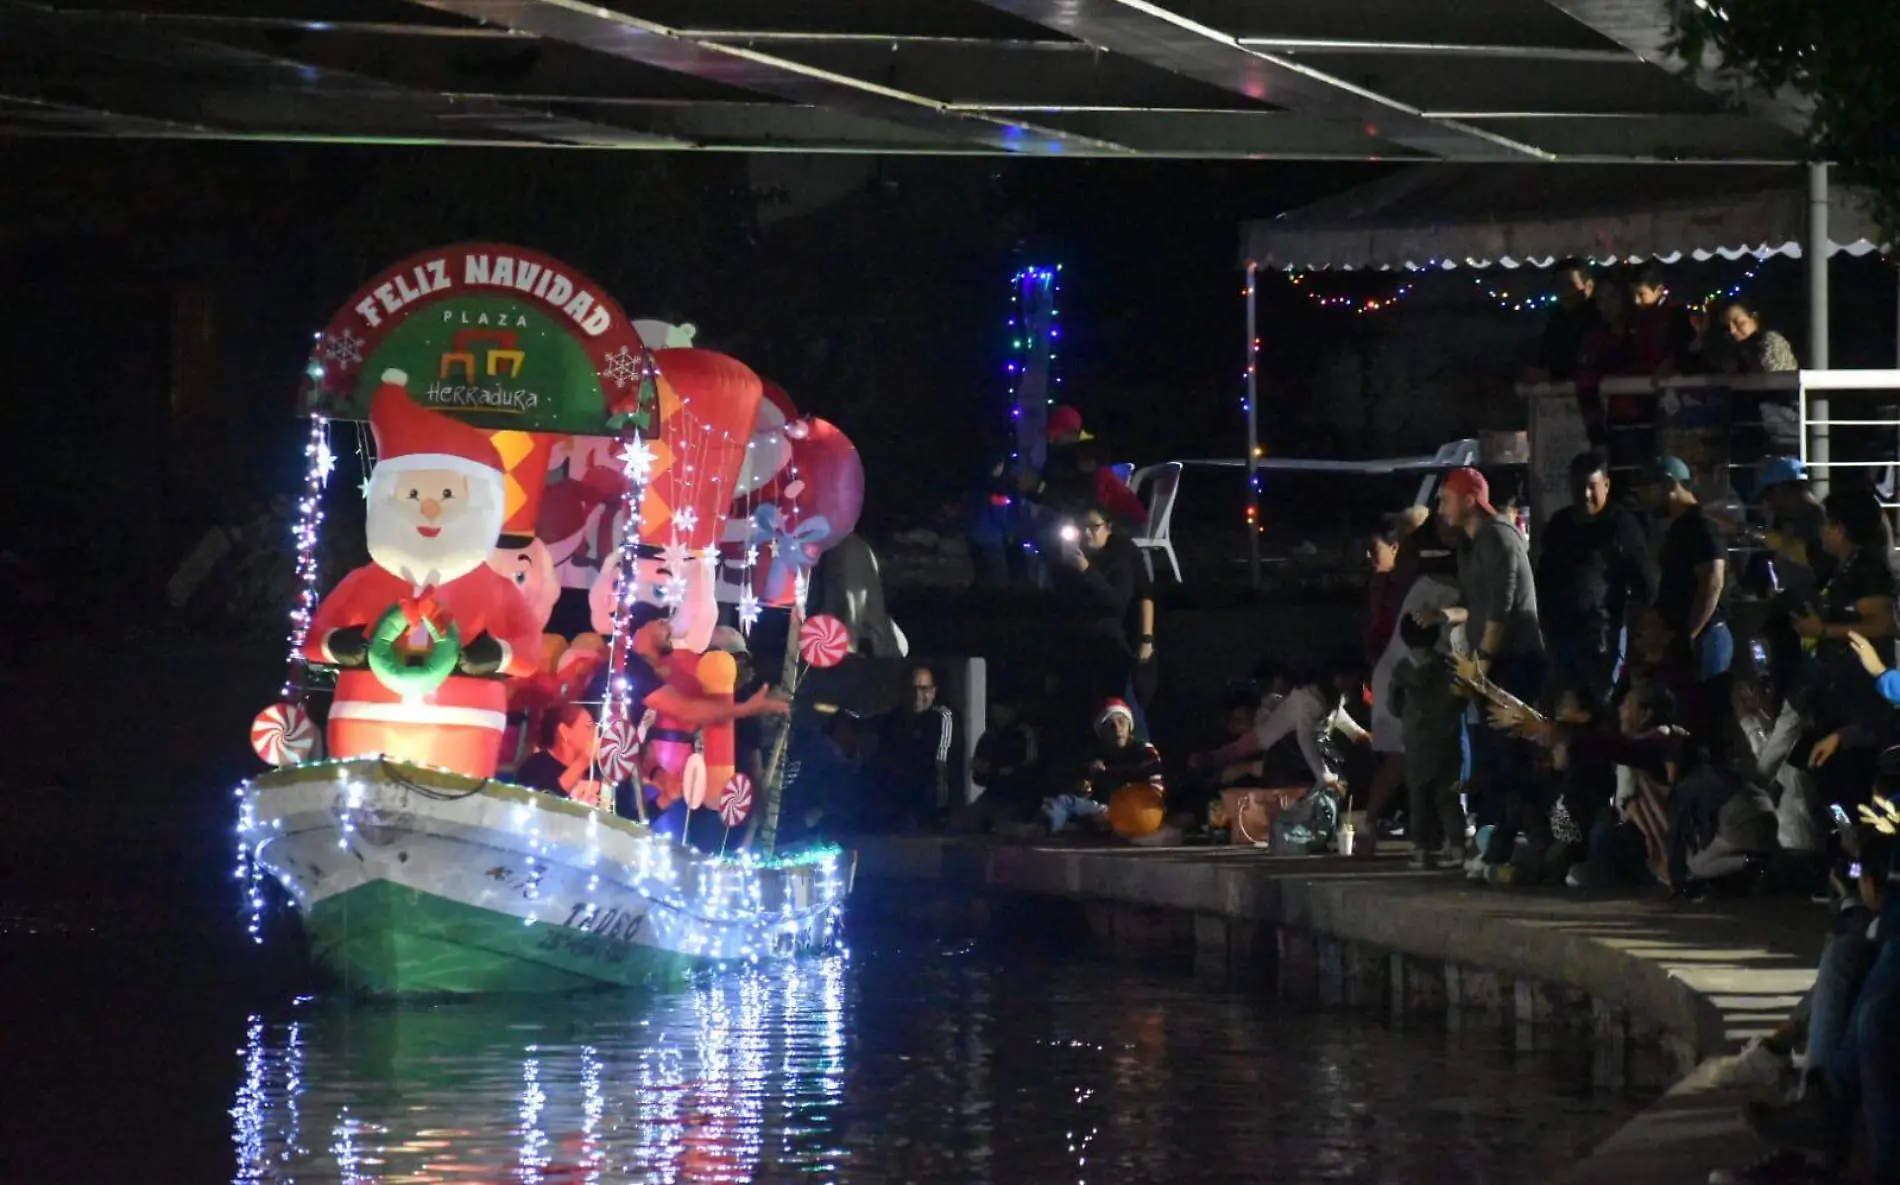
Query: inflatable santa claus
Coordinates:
[425,633]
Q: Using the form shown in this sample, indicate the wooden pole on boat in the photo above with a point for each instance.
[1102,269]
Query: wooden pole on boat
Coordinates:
[765,820]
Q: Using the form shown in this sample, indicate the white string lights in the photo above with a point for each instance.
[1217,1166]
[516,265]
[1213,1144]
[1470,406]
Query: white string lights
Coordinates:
[319,462]
[574,872]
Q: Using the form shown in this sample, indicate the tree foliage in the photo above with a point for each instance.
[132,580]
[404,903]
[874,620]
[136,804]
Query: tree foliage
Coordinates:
[1839,54]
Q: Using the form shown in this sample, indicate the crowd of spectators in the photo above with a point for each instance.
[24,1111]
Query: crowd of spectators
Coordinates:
[1039,763]
[1617,321]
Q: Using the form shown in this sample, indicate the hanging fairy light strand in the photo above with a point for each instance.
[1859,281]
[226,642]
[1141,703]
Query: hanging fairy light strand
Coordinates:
[1024,341]
[1360,305]
[1249,392]
[319,462]
[1541,302]
[636,466]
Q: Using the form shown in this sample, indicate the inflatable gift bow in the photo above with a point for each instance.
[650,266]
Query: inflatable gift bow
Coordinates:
[794,549]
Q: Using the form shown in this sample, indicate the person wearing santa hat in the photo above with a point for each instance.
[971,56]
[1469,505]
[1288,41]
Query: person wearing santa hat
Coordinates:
[1120,759]
[435,509]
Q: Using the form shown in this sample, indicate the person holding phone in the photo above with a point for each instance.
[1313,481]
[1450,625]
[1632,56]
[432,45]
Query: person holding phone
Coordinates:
[1094,583]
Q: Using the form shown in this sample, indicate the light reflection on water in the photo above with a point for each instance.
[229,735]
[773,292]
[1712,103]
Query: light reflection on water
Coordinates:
[909,1063]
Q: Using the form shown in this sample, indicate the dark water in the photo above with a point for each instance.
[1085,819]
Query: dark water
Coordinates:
[913,1059]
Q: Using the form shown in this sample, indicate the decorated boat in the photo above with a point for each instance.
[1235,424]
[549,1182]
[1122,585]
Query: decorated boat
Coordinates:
[417,880]
[497,735]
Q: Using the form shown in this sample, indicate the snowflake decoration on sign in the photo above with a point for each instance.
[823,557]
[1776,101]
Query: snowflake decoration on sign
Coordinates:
[685,519]
[637,459]
[748,610]
[673,592]
[345,349]
[623,367]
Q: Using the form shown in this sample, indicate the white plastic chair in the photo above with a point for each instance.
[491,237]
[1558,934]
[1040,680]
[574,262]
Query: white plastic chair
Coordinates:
[1165,480]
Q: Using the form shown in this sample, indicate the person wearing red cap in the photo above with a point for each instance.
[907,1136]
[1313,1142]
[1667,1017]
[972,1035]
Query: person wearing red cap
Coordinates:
[1497,604]
[435,509]
[1065,425]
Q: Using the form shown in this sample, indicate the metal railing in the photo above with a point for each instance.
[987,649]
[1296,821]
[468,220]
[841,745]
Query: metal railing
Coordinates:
[1865,441]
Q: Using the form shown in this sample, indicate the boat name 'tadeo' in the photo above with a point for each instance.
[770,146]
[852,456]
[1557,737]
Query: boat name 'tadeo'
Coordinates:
[618,925]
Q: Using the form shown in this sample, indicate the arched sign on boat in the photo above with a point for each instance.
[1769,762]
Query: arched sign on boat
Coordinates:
[500,336]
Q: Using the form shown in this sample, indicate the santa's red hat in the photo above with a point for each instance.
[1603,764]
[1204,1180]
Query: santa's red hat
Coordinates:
[409,436]
[1113,708]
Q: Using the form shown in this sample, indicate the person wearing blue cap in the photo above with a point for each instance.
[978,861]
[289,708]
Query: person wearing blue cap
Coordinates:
[1693,568]
[1794,514]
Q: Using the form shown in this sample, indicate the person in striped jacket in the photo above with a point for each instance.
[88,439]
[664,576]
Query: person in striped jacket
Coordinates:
[916,770]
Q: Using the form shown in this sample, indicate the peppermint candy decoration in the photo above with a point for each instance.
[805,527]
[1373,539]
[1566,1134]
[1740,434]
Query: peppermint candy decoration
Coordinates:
[823,641]
[618,752]
[736,803]
[283,735]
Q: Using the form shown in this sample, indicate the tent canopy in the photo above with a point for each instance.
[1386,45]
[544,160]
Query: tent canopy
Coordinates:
[1446,216]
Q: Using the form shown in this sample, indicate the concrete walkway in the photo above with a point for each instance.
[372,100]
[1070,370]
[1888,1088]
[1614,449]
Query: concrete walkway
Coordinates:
[1698,979]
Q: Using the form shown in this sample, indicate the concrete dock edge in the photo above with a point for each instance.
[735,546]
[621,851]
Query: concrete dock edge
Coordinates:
[1694,980]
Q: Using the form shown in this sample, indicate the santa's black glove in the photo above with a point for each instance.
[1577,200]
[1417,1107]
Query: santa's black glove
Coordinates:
[349,646]
[481,656]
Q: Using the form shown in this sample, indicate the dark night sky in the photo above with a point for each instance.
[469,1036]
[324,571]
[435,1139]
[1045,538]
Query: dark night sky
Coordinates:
[162,297]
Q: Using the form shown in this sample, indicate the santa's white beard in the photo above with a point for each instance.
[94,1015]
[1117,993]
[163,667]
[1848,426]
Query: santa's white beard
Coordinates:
[463,546]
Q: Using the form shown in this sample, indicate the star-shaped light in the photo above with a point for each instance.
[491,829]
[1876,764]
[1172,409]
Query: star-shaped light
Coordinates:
[325,460]
[748,610]
[710,558]
[673,592]
[801,585]
[675,556]
[751,555]
[685,520]
[636,460]
[364,487]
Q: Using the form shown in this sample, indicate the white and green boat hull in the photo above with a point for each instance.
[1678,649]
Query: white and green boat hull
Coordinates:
[415,881]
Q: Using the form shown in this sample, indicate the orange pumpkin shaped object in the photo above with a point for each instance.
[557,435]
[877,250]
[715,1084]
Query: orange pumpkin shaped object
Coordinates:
[1136,810]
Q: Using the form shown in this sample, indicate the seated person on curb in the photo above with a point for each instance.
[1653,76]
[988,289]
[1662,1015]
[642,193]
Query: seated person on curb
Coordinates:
[916,766]
[1432,719]
[1853,1087]
[1587,781]
[1315,707]
[1636,835]
[1816,1024]
[1847,713]
[1120,758]
[1770,731]
[1008,766]
[1239,712]
[564,752]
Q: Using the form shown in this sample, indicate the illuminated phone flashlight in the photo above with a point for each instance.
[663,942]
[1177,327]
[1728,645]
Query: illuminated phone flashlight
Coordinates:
[1069,533]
